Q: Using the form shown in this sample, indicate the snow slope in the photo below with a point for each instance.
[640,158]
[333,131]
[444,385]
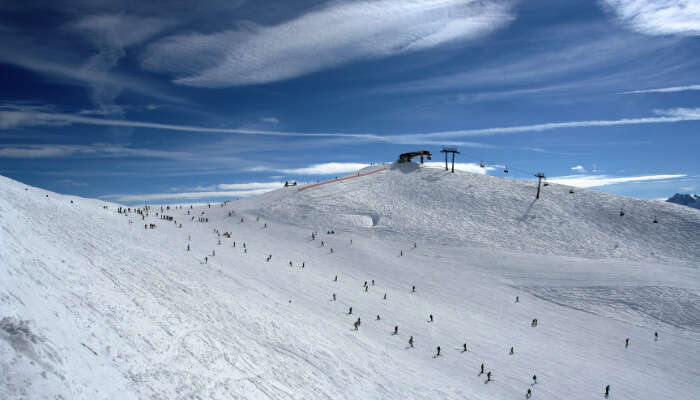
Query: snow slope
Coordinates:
[95,307]
[408,201]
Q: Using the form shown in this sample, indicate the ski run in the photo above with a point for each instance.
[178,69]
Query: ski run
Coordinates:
[349,290]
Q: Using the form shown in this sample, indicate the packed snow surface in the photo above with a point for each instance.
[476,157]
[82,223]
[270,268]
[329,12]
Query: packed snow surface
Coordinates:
[95,306]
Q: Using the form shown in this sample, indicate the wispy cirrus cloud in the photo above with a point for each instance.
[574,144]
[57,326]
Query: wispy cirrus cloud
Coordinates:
[670,89]
[111,34]
[589,181]
[658,17]
[14,119]
[328,36]
[579,169]
[96,150]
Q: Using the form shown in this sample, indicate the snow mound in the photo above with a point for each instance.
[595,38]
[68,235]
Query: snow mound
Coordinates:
[428,204]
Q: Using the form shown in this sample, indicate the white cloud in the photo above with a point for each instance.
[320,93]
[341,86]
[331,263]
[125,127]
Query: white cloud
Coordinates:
[13,119]
[228,194]
[579,168]
[588,181]
[659,17]
[95,150]
[330,168]
[466,167]
[250,186]
[670,89]
[330,35]
[111,34]
[270,120]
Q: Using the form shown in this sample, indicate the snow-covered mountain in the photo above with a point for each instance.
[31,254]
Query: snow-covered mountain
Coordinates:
[95,305]
[690,200]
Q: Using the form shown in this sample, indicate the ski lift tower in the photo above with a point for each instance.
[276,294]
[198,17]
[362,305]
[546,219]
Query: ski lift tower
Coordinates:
[539,177]
[452,150]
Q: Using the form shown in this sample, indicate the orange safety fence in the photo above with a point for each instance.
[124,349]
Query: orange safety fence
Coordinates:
[341,179]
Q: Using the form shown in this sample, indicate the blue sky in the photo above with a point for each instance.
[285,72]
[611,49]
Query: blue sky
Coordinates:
[167,101]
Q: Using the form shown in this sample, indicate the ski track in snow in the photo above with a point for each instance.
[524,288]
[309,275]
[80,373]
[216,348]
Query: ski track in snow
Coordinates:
[93,307]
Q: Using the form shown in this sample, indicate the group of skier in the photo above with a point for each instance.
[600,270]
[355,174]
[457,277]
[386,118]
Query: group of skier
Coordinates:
[357,323]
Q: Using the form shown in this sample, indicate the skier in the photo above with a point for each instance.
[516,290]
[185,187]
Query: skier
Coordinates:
[290,263]
[365,284]
[303,264]
[413,289]
[357,323]
[206,260]
[534,379]
[336,278]
[331,250]
[517,299]
[188,247]
[464,347]
[607,391]
[512,351]
[627,342]
[350,311]
[378,317]
[384,296]
[401,254]
[528,394]
[415,245]
[438,351]
[333,296]
[410,341]
[431,317]
[488,376]
[366,288]
[372,282]
[396,330]
[656,336]
[482,369]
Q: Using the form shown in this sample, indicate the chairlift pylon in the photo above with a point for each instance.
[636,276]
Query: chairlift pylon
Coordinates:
[505,170]
[481,164]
